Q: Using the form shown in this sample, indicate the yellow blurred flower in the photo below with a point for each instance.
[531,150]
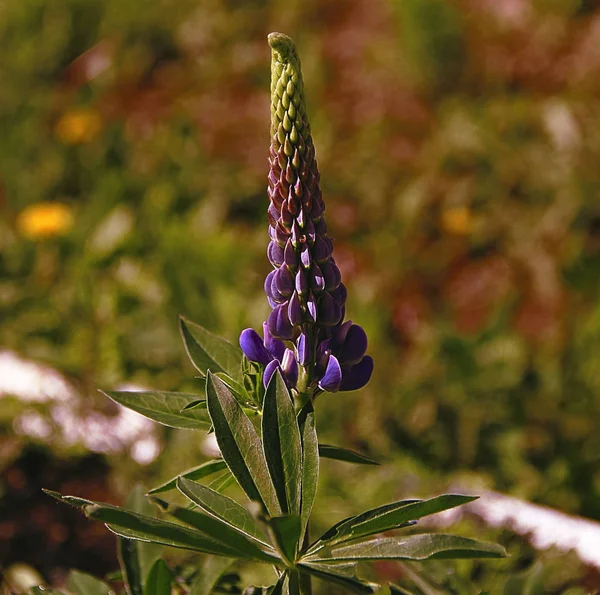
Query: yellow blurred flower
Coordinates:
[78,126]
[44,220]
[457,220]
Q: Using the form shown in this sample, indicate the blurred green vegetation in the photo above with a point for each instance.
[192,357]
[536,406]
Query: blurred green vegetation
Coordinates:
[458,142]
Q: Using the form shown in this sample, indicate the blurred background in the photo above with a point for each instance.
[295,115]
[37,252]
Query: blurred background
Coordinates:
[459,148]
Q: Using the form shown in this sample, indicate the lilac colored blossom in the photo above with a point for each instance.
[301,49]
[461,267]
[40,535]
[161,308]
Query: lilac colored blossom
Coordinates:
[304,289]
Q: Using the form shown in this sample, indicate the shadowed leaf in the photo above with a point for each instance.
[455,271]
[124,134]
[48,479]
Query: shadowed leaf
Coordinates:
[281,442]
[240,445]
[209,352]
[200,472]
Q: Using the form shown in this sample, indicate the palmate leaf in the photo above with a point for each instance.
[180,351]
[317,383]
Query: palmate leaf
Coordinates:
[338,453]
[214,527]
[222,508]
[136,558]
[164,407]
[339,575]
[310,463]
[80,583]
[204,470]
[281,443]
[209,352]
[159,579]
[387,517]
[240,445]
[132,525]
[431,546]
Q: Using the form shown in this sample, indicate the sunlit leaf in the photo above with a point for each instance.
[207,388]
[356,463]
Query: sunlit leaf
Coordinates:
[414,547]
[223,508]
[240,445]
[387,517]
[281,442]
[209,352]
[164,407]
[310,463]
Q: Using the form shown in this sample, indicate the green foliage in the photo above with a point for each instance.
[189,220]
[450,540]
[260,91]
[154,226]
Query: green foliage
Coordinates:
[278,470]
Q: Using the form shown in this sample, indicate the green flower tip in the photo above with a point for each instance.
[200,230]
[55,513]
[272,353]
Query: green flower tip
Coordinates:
[283,46]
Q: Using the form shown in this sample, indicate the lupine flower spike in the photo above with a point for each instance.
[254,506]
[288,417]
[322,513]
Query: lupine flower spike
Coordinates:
[304,289]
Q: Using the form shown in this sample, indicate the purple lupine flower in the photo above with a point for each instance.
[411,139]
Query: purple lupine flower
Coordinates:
[304,289]
[271,353]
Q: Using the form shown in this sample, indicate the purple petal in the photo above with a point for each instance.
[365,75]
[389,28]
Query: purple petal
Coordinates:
[269,284]
[354,346]
[338,335]
[329,311]
[301,218]
[358,375]
[340,294]
[253,347]
[301,282]
[295,313]
[321,227]
[274,346]
[305,256]
[273,214]
[289,366]
[321,250]
[279,324]
[283,282]
[269,371]
[310,232]
[275,254]
[303,349]
[311,305]
[332,275]
[290,256]
[286,218]
[317,282]
[332,377]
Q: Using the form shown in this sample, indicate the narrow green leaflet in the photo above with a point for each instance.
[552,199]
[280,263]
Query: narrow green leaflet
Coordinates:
[286,534]
[429,546]
[127,553]
[132,525]
[223,508]
[136,558]
[221,483]
[283,585]
[164,407]
[338,453]
[240,445]
[281,442]
[80,583]
[204,470]
[310,463]
[216,528]
[209,352]
[340,577]
[387,517]
[159,579]
[236,388]
[209,574]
